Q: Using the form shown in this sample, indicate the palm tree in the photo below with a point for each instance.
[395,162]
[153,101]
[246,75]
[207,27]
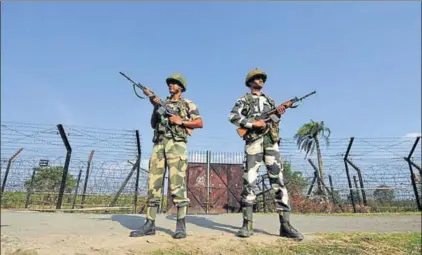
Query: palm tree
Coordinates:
[307,139]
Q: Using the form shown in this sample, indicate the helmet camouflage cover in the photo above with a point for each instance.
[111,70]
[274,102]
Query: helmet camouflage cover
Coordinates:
[254,73]
[179,79]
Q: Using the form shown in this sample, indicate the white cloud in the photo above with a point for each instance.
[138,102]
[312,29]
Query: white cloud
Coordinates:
[414,134]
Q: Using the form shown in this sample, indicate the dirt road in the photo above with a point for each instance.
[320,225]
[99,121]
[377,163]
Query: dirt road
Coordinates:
[73,233]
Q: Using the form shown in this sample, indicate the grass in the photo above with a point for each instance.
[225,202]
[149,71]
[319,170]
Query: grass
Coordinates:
[16,200]
[338,243]
[360,243]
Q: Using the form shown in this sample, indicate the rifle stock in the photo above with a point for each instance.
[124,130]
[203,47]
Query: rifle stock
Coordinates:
[267,116]
[242,131]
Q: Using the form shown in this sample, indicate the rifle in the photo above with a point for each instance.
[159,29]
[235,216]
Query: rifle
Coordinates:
[163,109]
[271,114]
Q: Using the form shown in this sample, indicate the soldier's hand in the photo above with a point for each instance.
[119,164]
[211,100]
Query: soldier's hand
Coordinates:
[176,120]
[259,124]
[281,109]
[148,92]
[156,100]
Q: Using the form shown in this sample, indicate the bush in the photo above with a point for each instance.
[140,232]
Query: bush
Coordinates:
[47,180]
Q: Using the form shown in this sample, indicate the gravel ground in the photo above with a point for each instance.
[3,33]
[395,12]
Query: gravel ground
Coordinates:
[74,233]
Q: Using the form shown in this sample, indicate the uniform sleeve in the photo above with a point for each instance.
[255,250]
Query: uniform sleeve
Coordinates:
[236,117]
[193,111]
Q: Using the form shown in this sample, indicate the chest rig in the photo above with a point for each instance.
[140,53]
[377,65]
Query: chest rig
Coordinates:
[249,111]
[168,130]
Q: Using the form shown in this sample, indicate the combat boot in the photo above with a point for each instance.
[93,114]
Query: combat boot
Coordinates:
[146,230]
[180,229]
[286,230]
[149,226]
[181,223]
[247,227]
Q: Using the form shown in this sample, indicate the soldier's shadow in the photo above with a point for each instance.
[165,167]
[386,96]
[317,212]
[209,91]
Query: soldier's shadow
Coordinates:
[133,222]
[210,224]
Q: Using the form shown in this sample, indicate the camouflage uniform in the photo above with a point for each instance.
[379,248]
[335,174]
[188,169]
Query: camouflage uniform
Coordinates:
[260,146]
[169,150]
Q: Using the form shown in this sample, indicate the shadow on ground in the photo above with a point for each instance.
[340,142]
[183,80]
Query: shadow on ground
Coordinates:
[210,224]
[133,222]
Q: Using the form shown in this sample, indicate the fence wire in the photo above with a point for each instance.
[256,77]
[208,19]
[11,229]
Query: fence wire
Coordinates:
[379,174]
[385,181]
[112,153]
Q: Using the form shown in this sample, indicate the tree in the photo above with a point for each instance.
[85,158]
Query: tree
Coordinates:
[307,139]
[384,194]
[294,180]
[48,179]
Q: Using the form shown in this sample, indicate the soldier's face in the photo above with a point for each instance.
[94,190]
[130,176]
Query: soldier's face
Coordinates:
[258,82]
[174,88]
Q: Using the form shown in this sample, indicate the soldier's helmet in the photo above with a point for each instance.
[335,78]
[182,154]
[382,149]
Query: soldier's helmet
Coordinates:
[179,79]
[255,73]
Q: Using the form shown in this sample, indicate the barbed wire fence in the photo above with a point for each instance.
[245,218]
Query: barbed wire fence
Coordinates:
[103,167]
[368,173]
[360,174]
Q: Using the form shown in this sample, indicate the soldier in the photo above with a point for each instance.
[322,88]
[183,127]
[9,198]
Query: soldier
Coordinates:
[261,144]
[170,144]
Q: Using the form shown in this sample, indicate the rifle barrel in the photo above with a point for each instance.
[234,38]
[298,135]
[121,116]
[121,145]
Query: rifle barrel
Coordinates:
[127,77]
[134,83]
[313,92]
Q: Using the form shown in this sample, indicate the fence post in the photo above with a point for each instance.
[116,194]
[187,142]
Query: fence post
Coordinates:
[28,194]
[362,188]
[348,174]
[308,194]
[138,166]
[113,202]
[409,161]
[208,158]
[332,189]
[86,177]
[66,165]
[9,164]
[323,188]
[357,189]
[76,189]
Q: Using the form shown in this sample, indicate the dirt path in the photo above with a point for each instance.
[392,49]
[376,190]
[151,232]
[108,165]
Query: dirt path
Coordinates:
[71,233]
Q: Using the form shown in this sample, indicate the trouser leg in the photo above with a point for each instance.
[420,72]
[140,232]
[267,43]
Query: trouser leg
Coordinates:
[252,163]
[274,166]
[155,183]
[176,153]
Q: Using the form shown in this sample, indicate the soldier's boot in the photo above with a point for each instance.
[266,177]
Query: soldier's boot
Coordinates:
[181,223]
[286,229]
[247,228]
[180,229]
[149,226]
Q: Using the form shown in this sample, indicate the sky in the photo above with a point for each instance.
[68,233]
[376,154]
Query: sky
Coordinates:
[60,63]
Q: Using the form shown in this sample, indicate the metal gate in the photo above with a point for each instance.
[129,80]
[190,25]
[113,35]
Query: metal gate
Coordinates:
[225,188]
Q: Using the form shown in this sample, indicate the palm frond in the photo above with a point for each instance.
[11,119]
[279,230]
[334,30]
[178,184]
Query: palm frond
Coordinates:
[309,148]
[307,134]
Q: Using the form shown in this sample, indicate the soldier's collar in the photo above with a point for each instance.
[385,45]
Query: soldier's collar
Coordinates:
[262,93]
[169,99]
